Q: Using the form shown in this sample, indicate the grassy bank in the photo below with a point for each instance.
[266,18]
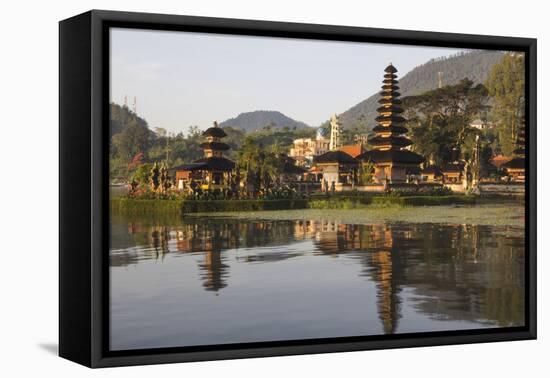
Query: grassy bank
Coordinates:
[353,202]
[123,205]
[156,206]
[507,214]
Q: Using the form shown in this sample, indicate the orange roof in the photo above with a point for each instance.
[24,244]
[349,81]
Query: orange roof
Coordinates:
[352,149]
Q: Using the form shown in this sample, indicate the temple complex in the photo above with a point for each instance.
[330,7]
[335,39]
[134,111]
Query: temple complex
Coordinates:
[211,172]
[515,168]
[390,158]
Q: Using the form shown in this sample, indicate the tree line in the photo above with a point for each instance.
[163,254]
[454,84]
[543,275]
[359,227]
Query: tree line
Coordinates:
[439,120]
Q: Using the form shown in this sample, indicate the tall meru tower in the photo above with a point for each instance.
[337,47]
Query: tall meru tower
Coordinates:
[392,162]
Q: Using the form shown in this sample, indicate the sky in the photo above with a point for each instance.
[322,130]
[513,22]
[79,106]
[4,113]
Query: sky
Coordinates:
[181,79]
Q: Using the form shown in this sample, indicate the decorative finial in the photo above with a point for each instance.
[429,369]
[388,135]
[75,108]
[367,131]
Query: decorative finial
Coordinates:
[390,69]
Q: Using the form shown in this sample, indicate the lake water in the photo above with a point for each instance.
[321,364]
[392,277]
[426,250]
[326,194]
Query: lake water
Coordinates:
[208,280]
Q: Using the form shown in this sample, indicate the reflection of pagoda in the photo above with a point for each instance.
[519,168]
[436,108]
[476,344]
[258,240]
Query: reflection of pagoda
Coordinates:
[376,247]
[392,162]
[381,264]
[214,271]
[211,240]
[516,167]
[213,171]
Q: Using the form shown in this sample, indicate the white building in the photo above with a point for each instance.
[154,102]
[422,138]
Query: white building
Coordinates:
[304,149]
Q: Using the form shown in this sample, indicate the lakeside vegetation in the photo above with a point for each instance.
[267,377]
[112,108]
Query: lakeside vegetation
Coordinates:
[125,205]
[185,206]
[495,214]
[486,213]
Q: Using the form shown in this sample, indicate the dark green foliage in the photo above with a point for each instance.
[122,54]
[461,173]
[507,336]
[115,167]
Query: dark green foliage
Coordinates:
[365,174]
[123,205]
[160,206]
[142,174]
[121,117]
[350,202]
[506,83]
[261,166]
[154,177]
[440,120]
[283,139]
[130,136]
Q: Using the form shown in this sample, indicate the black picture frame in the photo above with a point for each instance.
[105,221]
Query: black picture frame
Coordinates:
[83,196]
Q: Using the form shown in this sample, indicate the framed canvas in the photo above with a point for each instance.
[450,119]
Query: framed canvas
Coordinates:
[235,188]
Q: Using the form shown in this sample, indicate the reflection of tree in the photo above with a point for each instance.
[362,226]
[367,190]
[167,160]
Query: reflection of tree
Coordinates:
[159,241]
[468,272]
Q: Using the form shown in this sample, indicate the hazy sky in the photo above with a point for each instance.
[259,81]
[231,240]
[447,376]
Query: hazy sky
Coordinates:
[182,79]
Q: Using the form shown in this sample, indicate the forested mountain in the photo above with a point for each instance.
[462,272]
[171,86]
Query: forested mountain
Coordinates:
[474,65]
[262,119]
[122,117]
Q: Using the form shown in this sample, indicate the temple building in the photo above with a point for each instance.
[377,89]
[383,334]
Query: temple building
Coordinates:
[515,168]
[392,161]
[211,172]
[431,173]
[338,169]
[453,173]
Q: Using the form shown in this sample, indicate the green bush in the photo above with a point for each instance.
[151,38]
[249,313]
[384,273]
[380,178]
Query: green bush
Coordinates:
[353,202]
[152,206]
[178,206]
[145,206]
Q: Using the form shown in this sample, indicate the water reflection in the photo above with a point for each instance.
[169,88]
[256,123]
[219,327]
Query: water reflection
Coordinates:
[422,274]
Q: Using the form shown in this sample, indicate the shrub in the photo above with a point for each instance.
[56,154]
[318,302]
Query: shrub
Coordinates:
[179,206]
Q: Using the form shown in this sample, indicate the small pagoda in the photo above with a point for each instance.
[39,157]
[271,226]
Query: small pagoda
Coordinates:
[516,167]
[392,161]
[213,171]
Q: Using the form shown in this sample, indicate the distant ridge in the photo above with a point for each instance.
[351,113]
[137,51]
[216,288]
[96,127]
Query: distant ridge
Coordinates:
[474,65]
[260,119]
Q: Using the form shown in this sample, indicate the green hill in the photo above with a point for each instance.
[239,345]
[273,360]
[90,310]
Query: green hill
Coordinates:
[263,119]
[474,65]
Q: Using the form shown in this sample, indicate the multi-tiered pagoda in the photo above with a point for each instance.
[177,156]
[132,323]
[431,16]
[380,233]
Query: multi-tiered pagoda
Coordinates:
[213,171]
[516,167]
[392,162]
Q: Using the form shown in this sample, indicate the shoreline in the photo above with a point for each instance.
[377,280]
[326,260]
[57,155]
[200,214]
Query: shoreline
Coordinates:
[486,214]
[482,212]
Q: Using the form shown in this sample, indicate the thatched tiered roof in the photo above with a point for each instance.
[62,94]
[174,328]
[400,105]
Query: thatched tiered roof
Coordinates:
[390,141]
[214,131]
[336,157]
[207,164]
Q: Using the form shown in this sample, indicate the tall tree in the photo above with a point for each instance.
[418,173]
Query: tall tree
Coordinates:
[506,83]
[440,119]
